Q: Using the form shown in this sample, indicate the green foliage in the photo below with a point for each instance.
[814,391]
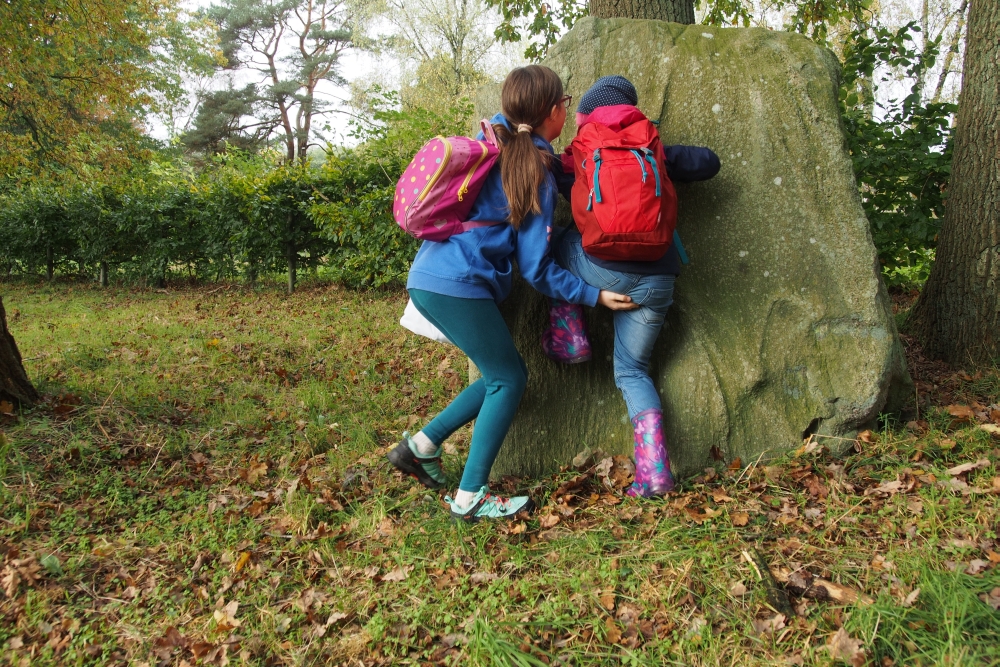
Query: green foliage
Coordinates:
[85,76]
[240,216]
[903,160]
[354,206]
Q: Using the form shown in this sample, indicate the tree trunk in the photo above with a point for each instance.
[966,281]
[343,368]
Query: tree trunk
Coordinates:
[102,274]
[15,387]
[678,11]
[49,264]
[958,314]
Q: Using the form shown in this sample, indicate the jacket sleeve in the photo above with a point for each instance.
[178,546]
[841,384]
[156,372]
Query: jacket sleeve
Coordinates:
[536,263]
[562,170]
[690,163]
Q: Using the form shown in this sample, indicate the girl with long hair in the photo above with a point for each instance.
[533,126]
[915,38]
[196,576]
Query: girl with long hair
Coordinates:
[457,283]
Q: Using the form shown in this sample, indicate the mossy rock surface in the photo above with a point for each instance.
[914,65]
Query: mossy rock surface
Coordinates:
[781,326]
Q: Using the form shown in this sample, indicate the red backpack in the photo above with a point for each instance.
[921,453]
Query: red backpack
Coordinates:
[623,201]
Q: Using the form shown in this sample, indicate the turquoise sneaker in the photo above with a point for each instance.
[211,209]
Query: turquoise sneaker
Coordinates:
[427,469]
[485,505]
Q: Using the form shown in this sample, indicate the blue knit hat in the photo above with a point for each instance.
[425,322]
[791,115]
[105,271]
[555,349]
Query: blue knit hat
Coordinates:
[608,91]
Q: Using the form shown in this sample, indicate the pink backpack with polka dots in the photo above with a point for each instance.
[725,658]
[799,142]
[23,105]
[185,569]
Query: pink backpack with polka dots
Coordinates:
[437,190]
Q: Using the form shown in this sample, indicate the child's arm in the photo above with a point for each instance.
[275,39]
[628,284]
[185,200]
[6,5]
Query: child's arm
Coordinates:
[562,171]
[536,263]
[690,163]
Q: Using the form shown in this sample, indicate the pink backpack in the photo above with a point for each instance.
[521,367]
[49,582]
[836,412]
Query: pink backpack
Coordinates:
[437,190]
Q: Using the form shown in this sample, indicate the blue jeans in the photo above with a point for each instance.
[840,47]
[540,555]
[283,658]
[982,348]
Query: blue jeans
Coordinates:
[635,330]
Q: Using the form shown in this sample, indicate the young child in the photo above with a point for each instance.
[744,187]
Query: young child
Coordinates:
[612,101]
[457,283]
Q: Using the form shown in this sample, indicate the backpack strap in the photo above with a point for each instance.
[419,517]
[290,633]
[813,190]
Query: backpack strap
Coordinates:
[488,132]
[656,170]
[680,248]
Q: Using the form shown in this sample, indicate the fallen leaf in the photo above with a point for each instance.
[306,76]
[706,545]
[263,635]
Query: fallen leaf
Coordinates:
[966,467]
[977,566]
[739,518]
[241,561]
[612,632]
[992,598]
[548,520]
[843,647]
[737,589]
[911,598]
[719,496]
[399,574]
[607,601]
[702,515]
[225,617]
[7,408]
[961,412]
[992,429]
[483,577]
[768,625]
[892,487]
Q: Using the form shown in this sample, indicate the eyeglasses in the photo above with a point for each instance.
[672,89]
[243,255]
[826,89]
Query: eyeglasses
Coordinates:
[566,101]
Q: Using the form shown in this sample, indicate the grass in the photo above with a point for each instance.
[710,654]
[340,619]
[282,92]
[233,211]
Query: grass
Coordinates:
[206,485]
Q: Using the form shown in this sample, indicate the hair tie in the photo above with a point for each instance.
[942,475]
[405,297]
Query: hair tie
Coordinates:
[524,127]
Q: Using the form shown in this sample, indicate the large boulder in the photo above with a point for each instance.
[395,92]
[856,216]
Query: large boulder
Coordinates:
[781,326]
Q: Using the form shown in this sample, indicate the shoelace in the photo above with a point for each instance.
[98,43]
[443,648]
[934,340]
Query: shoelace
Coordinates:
[502,502]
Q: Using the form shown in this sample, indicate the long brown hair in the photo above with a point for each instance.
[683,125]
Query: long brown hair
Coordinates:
[527,98]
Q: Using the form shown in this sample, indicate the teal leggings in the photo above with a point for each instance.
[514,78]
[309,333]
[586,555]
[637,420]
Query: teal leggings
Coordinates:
[476,327]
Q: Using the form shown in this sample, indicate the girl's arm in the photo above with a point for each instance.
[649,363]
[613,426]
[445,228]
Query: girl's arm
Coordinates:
[690,163]
[537,265]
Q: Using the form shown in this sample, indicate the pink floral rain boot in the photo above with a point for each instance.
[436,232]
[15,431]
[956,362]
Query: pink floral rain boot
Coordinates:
[566,338]
[652,465]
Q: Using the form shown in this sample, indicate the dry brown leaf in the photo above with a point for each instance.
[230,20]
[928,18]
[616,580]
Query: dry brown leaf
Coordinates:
[225,616]
[843,647]
[911,598]
[607,601]
[719,496]
[976,566]
[612,632]
[961,412]
[739,518]
[737,589]
[399,574]
[966,467]
[548,520]
[768,625]
[992,598]
[483,577]
[702,515]
[992,429]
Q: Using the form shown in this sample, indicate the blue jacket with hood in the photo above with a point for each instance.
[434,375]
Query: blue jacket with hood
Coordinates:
[478,263]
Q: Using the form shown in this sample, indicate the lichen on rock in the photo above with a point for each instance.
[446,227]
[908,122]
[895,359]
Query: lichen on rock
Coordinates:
[781,327]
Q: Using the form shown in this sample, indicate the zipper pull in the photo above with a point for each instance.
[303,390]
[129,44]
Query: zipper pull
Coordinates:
[461,191]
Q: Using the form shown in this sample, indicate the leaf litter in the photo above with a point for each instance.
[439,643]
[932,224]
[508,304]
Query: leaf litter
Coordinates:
[319,563]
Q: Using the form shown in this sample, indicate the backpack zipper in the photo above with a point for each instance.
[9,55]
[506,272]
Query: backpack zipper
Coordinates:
[440,170]
[472,172]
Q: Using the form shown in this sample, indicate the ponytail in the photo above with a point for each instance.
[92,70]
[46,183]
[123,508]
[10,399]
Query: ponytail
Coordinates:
[527,98]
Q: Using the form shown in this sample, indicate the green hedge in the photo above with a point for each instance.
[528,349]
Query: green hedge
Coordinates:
[238,217]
